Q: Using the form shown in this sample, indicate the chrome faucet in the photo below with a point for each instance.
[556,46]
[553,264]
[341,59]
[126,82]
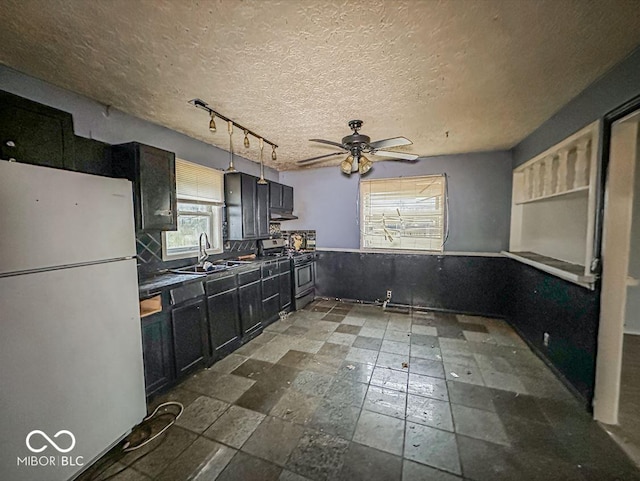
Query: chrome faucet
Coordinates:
[203,251]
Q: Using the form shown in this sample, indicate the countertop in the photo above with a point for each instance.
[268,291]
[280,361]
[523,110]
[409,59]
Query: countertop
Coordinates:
[153,285]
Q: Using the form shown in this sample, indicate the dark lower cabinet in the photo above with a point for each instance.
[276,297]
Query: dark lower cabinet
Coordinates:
[156,352]
[270,309]
[224,322]
[284,281]
[190,336]
[250,297]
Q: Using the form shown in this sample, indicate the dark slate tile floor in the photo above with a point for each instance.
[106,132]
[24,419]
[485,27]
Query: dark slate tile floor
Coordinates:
[348,392]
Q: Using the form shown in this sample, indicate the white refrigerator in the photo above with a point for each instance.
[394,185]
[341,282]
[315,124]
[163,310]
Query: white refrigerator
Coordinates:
[71,373]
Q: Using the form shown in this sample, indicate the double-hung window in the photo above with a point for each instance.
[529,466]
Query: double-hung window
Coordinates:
[200,193]
[406,213]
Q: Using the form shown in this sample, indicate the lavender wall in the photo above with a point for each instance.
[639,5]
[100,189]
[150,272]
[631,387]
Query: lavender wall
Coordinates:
[91,120]
[608,92]
[479,200]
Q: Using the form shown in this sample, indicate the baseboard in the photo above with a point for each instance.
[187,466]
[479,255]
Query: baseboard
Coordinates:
[632,332]
[415,308]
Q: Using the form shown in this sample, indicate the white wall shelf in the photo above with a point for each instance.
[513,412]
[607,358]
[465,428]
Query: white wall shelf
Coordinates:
[553,208]
[565,270]
[584,189]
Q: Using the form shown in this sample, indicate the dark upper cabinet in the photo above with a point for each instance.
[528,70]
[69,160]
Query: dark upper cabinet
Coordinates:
[34,133]
[153,174]
[156,352]
[247,207]
[275,195]
[287,198]
[190,336]
[280,201]
[250,297]
[92,157]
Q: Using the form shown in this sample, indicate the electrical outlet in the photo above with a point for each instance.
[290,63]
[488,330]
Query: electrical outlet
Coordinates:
[545,339]
[389,294]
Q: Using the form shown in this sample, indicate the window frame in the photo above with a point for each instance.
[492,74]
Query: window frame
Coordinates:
[215,225]
[407,250]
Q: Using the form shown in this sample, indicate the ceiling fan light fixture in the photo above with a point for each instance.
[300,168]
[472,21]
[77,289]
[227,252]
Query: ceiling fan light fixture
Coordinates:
[364,165]
[274,157]
[347,165]
[212,122]
[246,139]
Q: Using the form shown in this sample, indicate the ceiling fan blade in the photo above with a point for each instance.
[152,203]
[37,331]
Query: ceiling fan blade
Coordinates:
[329,142]
[395,155]
[315,159]
[392,142]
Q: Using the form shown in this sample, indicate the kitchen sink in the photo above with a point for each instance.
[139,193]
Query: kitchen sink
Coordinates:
[219,266]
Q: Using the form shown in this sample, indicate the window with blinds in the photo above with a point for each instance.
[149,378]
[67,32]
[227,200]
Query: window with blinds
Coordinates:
[200,193]
[403,213]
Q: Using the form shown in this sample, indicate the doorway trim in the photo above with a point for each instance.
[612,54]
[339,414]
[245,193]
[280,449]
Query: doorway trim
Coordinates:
[615,205]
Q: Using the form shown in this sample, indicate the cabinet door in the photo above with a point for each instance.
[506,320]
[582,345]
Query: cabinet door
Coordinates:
[250,298]
[156,352]
[190,344]
[157,189]
[262,211]
[224,322]
[270,308]
[249,190]
[285,290]
[275,195]
[34,133]
[287,198]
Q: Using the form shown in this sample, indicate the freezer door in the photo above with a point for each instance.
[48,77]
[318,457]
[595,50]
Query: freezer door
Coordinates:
[71,360]
[51,217]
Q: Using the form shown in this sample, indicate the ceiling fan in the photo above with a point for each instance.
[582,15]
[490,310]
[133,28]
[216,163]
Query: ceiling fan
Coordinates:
[356,144]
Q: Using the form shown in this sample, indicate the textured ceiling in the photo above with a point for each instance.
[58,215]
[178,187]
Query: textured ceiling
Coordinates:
[453,76]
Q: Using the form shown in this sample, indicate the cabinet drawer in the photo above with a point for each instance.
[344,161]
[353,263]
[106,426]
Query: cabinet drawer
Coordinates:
[221,284]
[249,276]
[269,269]
[270,286]
[184,293]
[284,266]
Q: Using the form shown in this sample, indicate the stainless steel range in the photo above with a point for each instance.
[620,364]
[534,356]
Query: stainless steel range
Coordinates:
[303,269]
[304,278]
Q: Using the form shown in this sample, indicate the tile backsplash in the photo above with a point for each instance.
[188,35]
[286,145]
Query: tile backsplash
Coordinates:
[149,253]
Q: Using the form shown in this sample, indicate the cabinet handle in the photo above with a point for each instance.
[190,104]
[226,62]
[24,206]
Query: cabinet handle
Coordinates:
[10,143]
[163,212]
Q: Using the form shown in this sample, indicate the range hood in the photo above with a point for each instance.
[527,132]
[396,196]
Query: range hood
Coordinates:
[281,215]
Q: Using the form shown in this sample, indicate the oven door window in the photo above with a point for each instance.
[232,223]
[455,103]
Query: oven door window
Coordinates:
[304,277]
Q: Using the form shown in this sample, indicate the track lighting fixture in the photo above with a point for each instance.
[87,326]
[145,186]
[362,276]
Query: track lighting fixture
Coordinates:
[212,122]
[201,104]
[231,167]
[261,180]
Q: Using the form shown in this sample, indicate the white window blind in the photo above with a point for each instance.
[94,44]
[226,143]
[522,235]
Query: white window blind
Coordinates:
[200,192]
[199,183]
[403,213]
